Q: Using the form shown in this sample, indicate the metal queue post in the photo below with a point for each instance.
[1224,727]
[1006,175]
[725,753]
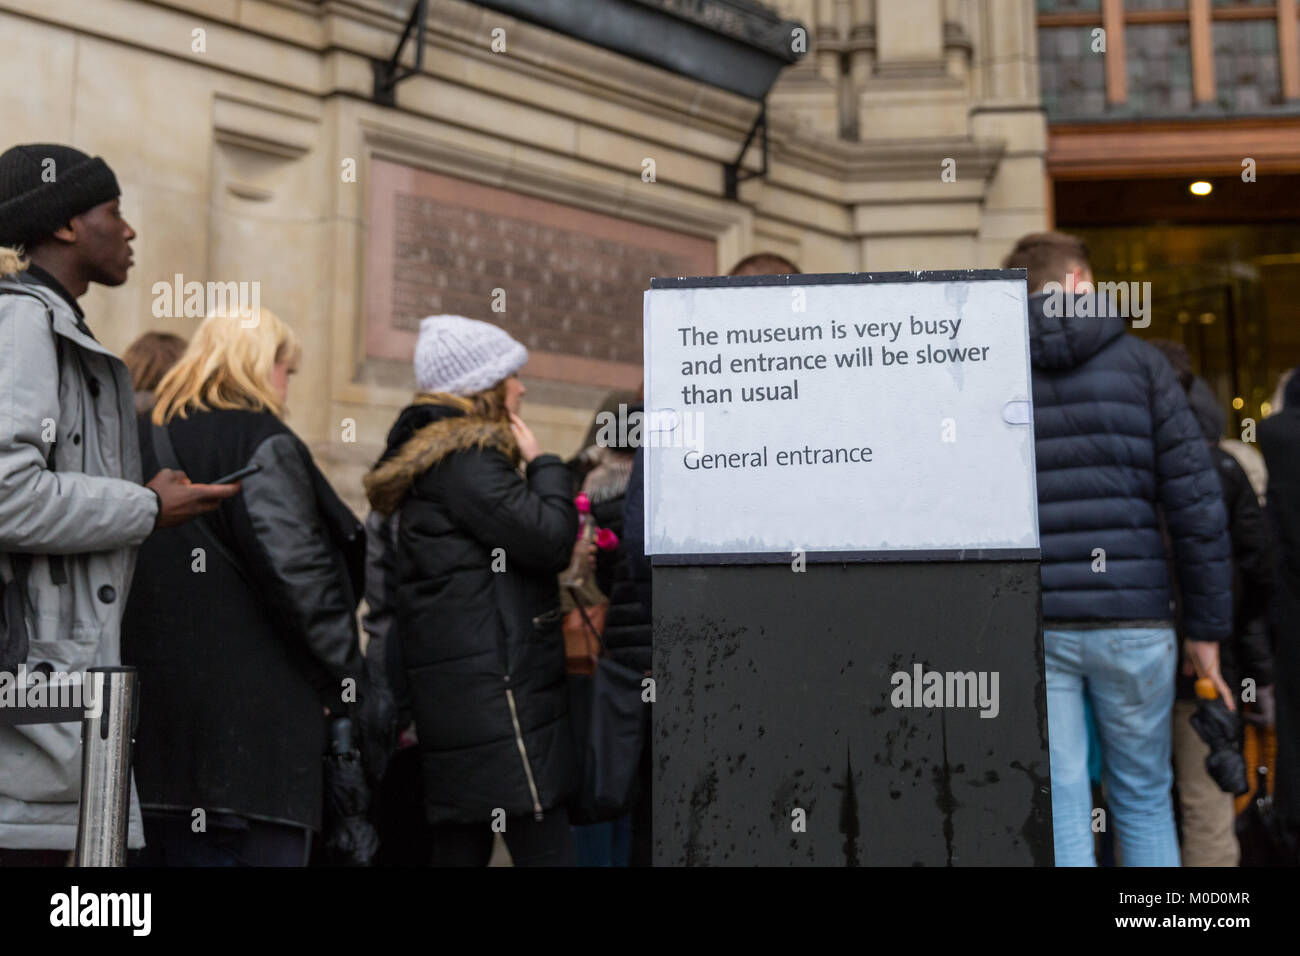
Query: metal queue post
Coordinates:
[106,743]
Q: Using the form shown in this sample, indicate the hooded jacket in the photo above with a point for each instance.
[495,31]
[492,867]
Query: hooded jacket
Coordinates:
[1116,446]
[478,612]
[70,496]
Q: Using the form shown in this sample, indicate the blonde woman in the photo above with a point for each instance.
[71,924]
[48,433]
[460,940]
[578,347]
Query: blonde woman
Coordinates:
[242,625]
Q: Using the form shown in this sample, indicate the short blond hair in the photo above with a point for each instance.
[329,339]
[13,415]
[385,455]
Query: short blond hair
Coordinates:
[228,365]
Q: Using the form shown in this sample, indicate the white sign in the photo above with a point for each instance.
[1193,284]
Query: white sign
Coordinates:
[813,414]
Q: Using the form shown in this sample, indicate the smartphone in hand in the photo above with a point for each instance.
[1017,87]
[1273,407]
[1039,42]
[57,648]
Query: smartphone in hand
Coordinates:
[235,476]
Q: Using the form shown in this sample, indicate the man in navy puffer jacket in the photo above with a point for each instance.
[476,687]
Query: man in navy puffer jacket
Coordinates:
[1118,451]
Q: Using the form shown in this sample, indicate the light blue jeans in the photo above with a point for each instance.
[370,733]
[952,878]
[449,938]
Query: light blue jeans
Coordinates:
[1128,676]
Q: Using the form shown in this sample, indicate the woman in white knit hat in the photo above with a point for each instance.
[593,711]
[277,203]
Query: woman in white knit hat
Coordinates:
[478,548]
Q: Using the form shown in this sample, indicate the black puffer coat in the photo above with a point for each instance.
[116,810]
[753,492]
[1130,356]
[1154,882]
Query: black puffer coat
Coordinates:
[627,623]
[482,648]
[1114,439]
[239,651]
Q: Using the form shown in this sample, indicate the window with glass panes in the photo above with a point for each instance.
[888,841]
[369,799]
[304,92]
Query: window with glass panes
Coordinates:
[1128,58]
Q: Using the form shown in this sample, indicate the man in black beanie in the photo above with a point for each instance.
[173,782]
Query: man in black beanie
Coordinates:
[72,509]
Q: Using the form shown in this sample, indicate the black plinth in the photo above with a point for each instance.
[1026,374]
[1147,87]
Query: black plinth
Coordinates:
[774,695]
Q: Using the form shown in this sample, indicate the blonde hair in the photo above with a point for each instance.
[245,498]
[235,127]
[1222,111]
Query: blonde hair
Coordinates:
[228,365]
[489,403]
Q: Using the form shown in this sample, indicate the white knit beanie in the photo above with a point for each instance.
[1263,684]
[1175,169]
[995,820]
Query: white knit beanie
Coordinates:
[462,356]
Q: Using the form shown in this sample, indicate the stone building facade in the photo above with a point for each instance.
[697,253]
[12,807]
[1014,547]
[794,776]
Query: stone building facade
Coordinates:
[522,175]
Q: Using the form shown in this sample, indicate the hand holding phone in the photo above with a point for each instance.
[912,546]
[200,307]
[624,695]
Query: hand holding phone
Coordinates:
[235,476]
[179,499]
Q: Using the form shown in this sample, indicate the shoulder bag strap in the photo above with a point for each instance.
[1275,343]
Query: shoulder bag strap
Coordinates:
[166,455]
[600,641]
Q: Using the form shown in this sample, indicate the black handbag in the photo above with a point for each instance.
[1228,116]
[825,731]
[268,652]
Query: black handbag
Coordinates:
[610,722]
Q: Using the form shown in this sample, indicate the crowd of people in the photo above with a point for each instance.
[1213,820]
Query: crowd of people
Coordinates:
[465,684]
[1168,593]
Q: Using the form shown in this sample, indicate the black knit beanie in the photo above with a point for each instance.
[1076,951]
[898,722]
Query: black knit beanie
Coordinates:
[42,186]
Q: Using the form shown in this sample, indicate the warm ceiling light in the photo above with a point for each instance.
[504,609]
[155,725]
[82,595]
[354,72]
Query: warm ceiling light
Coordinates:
[1238,403]
[1200,188]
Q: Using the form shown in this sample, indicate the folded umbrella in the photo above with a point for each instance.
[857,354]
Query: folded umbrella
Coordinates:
[350,837]
[1220,728]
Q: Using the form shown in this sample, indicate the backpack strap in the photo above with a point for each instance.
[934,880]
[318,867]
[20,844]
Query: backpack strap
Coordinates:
[13,605]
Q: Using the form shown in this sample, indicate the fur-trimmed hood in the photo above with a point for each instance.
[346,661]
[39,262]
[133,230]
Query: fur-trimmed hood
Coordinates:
[426,432]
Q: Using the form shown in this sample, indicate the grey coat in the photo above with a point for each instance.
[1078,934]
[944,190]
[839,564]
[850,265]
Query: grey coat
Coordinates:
[90,507]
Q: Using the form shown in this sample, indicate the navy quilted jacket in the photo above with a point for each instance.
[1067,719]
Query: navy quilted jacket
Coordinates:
[1116,443]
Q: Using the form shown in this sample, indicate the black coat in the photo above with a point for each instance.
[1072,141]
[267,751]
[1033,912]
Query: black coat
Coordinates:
[627,623]
[482,648]
[237,660]
[1114,440]
[388,707]
[1249,652]
[1279,440]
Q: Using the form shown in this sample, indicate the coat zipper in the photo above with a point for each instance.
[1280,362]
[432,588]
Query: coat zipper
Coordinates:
[523,753]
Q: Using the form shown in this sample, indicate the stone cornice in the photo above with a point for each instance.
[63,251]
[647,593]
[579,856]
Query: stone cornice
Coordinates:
[894,160]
